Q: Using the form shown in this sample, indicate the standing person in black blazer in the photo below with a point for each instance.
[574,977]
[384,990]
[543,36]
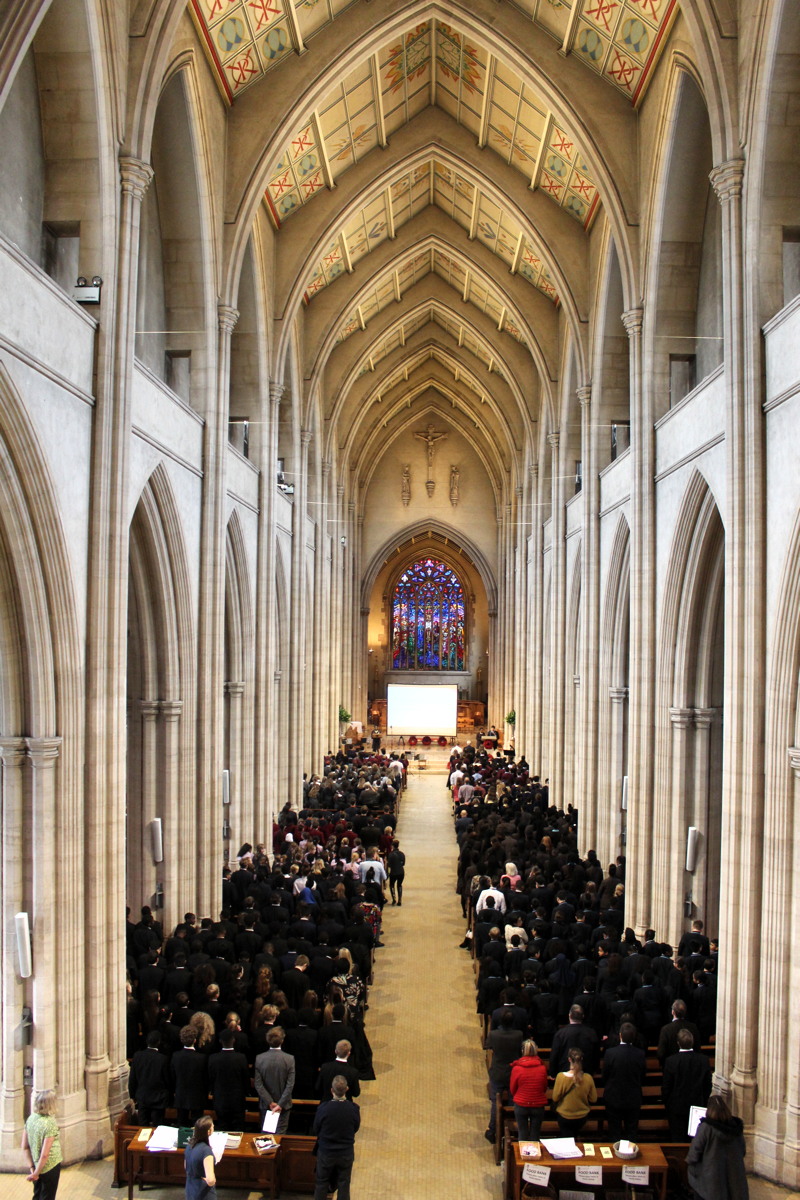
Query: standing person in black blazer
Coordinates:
[624,1073]
[229,1077]
[149,1082]
[190,1078]
[339,1066]
[686,1082]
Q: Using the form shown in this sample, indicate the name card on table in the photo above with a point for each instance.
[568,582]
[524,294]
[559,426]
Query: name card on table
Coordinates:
[589,1174]
[640,1175]
[532,1173]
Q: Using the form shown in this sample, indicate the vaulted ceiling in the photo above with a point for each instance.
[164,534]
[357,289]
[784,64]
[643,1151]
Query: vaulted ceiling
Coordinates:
[433,173]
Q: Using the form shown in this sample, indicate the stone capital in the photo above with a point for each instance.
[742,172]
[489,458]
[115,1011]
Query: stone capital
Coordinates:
[553,437]
[726,180]
[534,470]
[326,467]
[171,709]
[365,612]
[276,391]
[305,436]
[149,709]
[234,687]
[632,319]
[12,751]
[227,318]
[584,395]
[135,176]
[682,718]
[794,760]
[576,679]
[618,695]
[43,752]
[340,490]
[704,717]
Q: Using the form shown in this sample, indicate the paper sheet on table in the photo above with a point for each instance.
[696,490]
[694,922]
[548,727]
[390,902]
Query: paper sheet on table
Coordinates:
[165,1137]
[217,1143]
[562,1147]
[271,1121]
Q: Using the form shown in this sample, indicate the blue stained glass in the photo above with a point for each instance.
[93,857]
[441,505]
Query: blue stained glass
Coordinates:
[428,618]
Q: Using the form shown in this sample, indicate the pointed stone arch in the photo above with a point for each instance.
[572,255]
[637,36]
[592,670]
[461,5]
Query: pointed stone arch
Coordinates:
[161,699]
[689,710]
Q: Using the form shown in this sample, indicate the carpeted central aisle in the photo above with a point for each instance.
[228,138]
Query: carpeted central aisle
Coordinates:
[423,1118]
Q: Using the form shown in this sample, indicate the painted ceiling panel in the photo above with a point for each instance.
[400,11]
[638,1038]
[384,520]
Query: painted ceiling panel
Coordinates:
[619,39]
[456,196]
[454,274]
[395,84]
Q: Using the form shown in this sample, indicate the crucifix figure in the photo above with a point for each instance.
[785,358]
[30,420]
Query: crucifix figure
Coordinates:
[431,436]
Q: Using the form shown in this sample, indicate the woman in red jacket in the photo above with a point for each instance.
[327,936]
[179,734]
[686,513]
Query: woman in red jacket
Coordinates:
[528,1089]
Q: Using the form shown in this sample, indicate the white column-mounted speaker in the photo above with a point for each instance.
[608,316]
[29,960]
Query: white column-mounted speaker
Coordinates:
[226,786]
[158,840]
[624,793]
[23,945]
[691,847]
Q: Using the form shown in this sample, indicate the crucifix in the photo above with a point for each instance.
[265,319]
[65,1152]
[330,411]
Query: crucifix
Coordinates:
[431,436]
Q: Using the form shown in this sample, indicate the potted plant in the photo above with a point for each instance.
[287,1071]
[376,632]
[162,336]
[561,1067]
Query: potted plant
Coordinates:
[511,718]
[344,715]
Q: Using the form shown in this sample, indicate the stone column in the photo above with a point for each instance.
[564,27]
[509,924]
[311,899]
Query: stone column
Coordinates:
[667,866]
[587,798]
[611,780]
[642,635]
[323,641]
[779,1085]
[210,707]
[558,618]
[520,642]
[14,989]
[743,750]
[174,867]
[360,655]
[241,821]
[48,1020]
[297,657]
[151,805]
[534,656]
[107,613]
[704,719]
[265,782]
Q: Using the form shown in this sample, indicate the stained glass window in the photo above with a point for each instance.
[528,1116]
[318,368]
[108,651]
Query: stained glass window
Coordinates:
[428,619]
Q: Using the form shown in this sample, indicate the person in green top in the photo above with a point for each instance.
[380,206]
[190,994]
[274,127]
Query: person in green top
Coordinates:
[41,1141]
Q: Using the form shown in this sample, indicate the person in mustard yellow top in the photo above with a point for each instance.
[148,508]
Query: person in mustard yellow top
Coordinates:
[41,1140]
[573,1094]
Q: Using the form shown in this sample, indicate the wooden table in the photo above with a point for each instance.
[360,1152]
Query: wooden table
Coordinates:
[649,1156]
[243,1167]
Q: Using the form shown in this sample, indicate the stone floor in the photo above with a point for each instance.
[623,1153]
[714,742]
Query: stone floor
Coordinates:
[423,1117]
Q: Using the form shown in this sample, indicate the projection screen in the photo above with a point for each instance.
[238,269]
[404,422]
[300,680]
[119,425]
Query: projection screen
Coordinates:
[425,709]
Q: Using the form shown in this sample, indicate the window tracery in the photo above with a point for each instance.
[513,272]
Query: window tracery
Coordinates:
[428,618]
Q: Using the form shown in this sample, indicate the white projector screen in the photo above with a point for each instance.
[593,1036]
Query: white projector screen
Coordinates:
[422,709]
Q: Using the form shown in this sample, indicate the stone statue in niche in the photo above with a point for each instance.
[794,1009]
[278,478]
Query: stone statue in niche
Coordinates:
[405,485]
[431,436]
[455,475]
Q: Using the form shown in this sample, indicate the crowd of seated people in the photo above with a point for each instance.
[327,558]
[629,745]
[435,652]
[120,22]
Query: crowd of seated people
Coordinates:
[556,966]
[216,1006]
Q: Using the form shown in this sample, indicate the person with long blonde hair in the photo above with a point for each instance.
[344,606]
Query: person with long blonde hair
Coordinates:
[573,1094]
